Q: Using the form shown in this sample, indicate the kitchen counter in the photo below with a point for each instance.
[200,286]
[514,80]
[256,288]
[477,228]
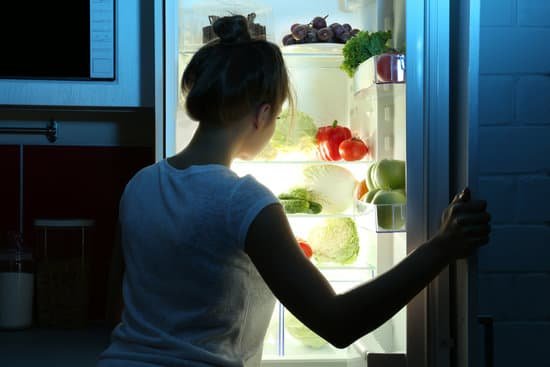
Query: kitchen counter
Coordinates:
[53,347]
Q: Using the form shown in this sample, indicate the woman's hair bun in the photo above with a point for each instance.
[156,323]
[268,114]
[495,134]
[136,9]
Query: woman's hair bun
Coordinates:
[232,29]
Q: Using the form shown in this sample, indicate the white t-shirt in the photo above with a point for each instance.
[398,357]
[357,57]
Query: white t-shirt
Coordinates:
[192,295]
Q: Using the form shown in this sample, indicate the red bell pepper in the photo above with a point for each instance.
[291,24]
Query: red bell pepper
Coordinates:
[329,139]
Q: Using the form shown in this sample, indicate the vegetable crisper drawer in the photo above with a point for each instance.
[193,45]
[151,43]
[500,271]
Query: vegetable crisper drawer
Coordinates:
[289,339]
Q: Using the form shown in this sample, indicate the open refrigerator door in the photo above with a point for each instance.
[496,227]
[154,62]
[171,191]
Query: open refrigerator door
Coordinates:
[363,197]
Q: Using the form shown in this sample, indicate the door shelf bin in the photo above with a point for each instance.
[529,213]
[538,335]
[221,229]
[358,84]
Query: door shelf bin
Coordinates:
[381,218]
[378,114]
[380,69]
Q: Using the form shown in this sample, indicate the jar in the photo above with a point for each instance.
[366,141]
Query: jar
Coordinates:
[62,273]
[16,283]
[196,26]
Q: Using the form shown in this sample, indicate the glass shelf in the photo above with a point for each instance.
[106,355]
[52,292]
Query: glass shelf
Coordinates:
[327,50]
[303,162]
[320,216]
[376,218]
[318,49]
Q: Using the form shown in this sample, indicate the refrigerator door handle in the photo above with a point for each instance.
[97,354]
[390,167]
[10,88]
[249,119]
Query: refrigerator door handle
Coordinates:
[488,340]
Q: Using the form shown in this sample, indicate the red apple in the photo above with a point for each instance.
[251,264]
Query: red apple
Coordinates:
[384,67]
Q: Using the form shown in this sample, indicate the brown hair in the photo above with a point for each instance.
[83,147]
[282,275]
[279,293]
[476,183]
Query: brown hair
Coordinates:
[233,75]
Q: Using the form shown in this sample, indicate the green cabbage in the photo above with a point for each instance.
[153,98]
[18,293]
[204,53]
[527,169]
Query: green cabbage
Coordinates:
[334,240]
[291,135]
[331,186]
[302,333]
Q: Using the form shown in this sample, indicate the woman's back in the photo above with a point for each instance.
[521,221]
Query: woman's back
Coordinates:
[191,293]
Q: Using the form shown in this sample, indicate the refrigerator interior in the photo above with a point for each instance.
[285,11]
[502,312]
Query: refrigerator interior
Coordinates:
[374,112]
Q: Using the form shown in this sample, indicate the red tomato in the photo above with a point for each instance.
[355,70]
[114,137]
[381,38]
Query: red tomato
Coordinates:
[306,248]
[353,149]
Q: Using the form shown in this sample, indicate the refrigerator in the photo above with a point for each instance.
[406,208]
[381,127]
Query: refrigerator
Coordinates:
[404,118]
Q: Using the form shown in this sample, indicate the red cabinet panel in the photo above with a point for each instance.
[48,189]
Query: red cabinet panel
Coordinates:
[9,187]
[82,182]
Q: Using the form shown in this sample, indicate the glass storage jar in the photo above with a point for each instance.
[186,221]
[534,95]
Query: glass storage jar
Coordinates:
[62,271]
[16,282]
[197,20]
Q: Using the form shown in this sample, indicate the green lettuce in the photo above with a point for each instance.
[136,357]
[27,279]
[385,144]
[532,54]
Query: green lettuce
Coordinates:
[293,133]
[363,46]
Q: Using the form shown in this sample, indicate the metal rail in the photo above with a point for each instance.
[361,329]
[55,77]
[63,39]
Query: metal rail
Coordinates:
[50,131]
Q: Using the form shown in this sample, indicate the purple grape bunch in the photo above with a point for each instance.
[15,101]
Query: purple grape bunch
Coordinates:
[317,31]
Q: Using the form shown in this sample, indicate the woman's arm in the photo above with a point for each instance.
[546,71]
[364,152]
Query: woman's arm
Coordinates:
[342,319]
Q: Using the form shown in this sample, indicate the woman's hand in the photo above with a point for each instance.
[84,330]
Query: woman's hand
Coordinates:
[464,226]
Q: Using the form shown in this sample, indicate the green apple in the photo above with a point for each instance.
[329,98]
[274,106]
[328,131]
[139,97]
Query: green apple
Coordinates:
[371,175]
[390,212]
[402,191]
[370,195]
[389,174]
[368,178]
